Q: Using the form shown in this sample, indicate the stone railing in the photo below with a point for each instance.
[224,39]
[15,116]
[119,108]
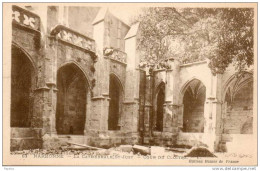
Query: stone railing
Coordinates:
[115,54]
[70,36]
[160,65]
[163,65]
[25,18]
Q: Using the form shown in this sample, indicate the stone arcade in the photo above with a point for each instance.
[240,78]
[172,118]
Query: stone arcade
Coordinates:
[76,76]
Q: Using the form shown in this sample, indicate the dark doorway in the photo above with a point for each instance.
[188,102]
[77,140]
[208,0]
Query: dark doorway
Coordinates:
[160,103]
[72,100]
[193,101]
[115,103]
[21,89]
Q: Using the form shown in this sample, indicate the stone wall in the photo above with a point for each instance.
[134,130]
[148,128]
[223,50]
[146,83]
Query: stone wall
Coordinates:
[115,32]
[119,69]
[67,54]
[29,41]
[25,138]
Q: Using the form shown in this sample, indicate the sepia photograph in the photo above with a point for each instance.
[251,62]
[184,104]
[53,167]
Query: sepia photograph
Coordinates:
[157,84]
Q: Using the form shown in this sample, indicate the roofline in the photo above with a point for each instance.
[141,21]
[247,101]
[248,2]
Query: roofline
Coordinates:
[107,11]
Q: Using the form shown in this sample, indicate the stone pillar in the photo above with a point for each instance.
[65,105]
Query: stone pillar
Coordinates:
[168,105]
[142,104]
[148,122]
[46,94]
[89,113]
[98,35]
[98,123]
[99,114]
[40,111]
[179,123]
[171,107]
[104,102]
[212,113]
[52,102]
[132,83]
[131,103]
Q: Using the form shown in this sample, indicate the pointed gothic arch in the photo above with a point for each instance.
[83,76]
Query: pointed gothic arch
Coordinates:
[72,96]
[159,107]
[115,103]
[238,104]
[194,96]
[23,82]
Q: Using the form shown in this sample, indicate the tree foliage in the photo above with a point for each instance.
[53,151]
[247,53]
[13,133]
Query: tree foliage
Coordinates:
[223,35]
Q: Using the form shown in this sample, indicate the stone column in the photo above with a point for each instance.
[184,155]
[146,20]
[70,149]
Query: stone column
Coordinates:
[99,114]
[168,105]
[132,83]
[142,104]
[89,112]
[104,102]
[52,84]
[46,94]
[98,123]
[171,107]
[131,102]
[40,111]
[148,109]
[212,113]
[100,99]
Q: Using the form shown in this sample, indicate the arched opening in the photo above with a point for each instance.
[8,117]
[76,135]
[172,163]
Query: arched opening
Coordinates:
[159,103]
[71,100]
[22,81]
[193,101]
[238,105]
[115,103]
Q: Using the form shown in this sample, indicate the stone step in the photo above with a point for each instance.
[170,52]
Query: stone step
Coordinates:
[25,143]
[26,132]
[79,139]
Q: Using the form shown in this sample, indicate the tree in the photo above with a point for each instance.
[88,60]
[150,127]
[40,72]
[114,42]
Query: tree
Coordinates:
[223,35]
[158,27]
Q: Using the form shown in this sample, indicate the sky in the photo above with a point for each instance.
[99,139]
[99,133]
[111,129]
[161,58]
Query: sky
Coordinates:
[124,12]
